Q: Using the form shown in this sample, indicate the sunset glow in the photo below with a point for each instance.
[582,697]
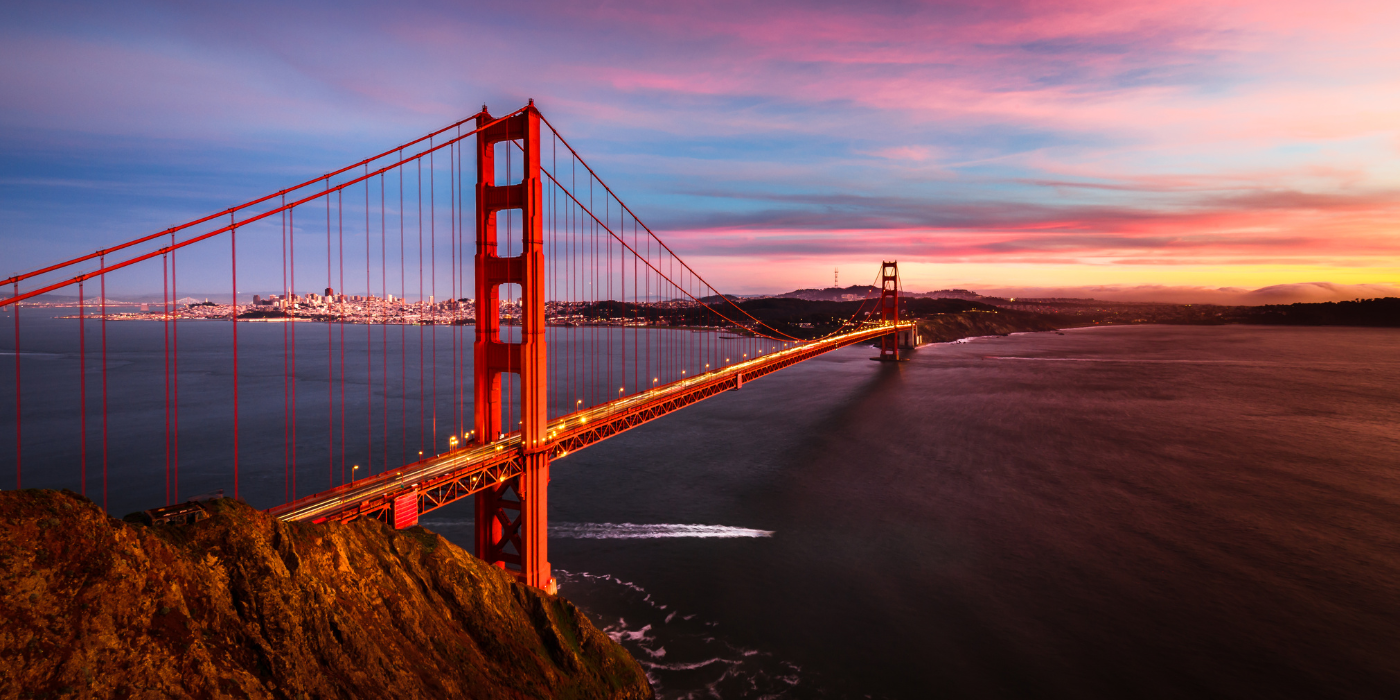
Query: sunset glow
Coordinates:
[1178,146]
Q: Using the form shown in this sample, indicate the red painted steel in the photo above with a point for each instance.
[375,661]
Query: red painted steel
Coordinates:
[515,541]
[19,412]
[447,478]
[231,211]
[505,464]
[889,309]
[216,232]
[405,510]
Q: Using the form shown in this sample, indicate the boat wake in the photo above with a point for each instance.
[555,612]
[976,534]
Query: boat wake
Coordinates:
[631,531]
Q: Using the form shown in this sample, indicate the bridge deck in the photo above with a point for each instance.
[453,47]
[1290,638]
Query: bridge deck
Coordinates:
[451,476]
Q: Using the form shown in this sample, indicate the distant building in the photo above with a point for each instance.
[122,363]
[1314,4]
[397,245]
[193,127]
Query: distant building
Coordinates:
[330,292]
[257,299]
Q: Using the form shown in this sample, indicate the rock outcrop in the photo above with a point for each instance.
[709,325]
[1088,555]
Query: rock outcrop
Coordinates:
[944,328]
[242,605]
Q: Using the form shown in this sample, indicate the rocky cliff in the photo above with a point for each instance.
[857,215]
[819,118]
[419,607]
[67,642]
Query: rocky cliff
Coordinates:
[242,605]
[943,328]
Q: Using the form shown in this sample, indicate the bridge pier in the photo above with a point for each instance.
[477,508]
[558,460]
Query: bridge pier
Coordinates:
[512,516]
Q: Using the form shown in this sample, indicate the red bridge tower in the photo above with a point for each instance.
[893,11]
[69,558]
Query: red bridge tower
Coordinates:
[511,517]
[889,309]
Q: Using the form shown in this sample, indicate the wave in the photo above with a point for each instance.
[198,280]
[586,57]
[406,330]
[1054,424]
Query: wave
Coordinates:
[633,531]
[683,657]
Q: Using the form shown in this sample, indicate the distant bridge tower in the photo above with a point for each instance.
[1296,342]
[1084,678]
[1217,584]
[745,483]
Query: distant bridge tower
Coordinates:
[889,309]
[511,517]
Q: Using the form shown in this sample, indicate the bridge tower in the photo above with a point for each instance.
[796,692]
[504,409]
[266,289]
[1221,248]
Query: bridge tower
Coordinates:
[511,517]
[889,309]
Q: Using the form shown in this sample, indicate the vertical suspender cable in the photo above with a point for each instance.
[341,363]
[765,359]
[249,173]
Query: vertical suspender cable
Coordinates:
[165,327]
[423,309]
[340,279]
[175,374]
[102,262]
[330,356]
[82,386]
[432,265]
[285,302]
[175,371]
[506,328]
[369,345]
[452,283]
[403,332]
[19,451]
[292,295]
[383,327]
[461,286]
[233,316]
[607,214]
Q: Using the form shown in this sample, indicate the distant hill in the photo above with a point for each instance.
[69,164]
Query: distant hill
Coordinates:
[862,291]
[1361,312]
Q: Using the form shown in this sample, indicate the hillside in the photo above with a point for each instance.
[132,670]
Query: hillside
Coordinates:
[940,320]
[243,605]
[1361,312]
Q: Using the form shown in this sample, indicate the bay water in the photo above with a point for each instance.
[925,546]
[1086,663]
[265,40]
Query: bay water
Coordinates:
[1146,511]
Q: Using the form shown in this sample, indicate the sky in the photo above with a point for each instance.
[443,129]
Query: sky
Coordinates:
[1232,151]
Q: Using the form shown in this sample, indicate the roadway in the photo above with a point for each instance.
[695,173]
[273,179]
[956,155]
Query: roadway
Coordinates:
[459,473]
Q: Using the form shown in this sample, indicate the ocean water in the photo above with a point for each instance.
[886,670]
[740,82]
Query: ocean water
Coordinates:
[1151,511]
[1147,512]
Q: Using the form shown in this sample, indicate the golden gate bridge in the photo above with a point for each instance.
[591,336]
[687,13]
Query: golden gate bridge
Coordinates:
[552,258]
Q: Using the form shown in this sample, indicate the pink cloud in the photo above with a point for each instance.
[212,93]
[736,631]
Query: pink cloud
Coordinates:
[1082,132]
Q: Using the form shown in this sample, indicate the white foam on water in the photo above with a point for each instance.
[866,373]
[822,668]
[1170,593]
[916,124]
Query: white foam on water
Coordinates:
[687,667]
[626,531]
[684,659]
[635,531]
